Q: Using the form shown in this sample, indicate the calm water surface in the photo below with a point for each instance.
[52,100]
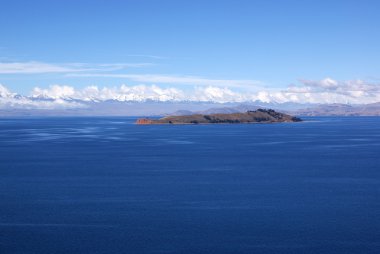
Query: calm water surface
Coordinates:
[105,185]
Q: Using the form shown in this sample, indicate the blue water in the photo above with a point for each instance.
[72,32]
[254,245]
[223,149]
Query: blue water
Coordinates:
[105,185]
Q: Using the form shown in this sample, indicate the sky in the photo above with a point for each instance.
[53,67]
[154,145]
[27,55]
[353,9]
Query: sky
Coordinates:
[301,51]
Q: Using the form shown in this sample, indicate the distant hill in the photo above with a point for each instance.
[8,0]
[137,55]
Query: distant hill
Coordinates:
[307,110]
[340,110]
[257,116]
[217,110]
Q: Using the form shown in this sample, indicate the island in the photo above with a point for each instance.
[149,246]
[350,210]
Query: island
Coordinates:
[256,116]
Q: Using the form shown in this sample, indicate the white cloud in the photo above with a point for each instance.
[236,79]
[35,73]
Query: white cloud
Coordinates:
[173,79]
[326,83]
[332,91]
[142,93]
[27,103]
[10,100]
[122,93]
[34,67]
[5,93]
[217,94]
[54,92]
[323,91]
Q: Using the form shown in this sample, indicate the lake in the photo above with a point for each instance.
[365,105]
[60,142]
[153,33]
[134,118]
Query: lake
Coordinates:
[106,185]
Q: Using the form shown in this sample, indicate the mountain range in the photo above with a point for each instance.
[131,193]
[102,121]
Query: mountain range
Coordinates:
[12,104]
[336,109]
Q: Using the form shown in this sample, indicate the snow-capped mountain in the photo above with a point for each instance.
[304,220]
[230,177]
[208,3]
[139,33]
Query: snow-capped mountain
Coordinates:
[154,100]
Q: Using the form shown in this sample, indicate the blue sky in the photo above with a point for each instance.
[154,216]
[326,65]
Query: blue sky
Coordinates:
[268,44]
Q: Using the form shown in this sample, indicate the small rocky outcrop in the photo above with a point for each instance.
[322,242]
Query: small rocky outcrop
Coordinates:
[144,121]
